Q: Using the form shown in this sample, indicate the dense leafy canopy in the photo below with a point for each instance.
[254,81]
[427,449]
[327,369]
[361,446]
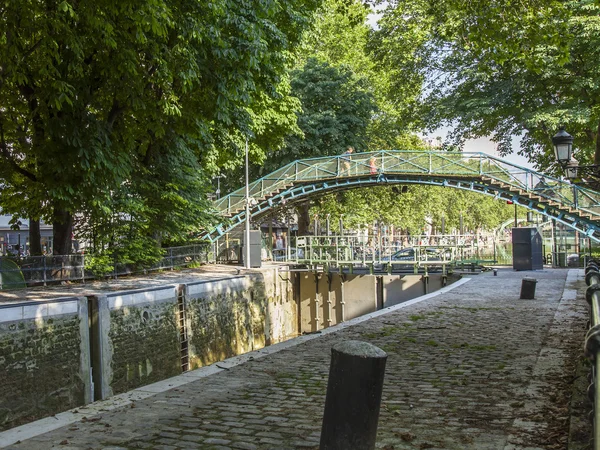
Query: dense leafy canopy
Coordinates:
[499,69]
[342,38]
[410,209]
[118,112]
[337,107]
[115,116]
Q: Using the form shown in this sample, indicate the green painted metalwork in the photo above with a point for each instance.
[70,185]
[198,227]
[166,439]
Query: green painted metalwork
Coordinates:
[575,206]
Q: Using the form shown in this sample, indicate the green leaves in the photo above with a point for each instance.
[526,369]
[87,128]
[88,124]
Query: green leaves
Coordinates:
[499,69]
[111,109]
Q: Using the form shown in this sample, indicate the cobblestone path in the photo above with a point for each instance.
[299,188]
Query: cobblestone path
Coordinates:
[473,368]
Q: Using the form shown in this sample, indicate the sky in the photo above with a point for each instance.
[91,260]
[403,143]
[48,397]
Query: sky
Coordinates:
[485,145]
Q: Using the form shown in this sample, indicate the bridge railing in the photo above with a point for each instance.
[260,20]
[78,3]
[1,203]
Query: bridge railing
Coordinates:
[592,342]
[470,166]
[382,249]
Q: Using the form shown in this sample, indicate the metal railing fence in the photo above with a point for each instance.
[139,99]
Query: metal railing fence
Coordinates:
[378,248]
[19,272]
[592,343]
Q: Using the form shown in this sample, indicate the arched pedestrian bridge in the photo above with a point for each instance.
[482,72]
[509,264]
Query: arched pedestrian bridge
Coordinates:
[575,206]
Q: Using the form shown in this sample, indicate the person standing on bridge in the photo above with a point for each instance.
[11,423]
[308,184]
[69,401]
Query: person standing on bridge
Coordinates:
[346,159]
[373,165]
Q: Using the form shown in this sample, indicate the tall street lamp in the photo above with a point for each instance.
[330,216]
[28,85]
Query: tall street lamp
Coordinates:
[247,231]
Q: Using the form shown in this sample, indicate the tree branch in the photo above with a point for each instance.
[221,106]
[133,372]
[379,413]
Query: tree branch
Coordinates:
[115,111]
[6,154]
[32,49]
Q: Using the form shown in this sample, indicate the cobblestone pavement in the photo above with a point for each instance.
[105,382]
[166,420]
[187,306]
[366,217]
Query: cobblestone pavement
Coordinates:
[472,368]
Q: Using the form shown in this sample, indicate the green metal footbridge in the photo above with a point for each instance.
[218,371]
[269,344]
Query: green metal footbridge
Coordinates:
[575,206]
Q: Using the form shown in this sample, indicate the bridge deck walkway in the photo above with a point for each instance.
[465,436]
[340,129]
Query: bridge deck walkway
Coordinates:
[470,367]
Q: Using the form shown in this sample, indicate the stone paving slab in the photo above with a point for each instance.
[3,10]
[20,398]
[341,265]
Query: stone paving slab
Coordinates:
[471,368]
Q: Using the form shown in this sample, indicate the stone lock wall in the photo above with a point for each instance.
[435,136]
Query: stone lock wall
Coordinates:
[138,338]
[232,316]
[54,358]
[281,319]
[61,354]
[225,318]
[44,366]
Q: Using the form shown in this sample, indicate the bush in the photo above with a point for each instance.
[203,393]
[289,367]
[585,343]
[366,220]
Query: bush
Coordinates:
[100,265]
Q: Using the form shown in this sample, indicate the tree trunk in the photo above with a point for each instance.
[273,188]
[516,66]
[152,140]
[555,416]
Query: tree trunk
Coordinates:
[35,237]
[63,231]
[597,152]
[303,218]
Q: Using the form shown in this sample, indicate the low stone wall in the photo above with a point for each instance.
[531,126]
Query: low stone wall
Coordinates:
[44,362]
[230,317]
[61,354]
[329,299]
[225,318]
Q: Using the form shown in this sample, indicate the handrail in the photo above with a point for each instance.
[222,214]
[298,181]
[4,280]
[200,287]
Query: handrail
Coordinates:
[441,164]
[592,342]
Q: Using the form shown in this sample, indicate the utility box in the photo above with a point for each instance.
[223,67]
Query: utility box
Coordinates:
[255,247]
[527,249]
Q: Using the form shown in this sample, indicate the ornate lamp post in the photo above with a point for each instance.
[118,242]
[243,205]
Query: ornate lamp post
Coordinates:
[563,152]
[563,146]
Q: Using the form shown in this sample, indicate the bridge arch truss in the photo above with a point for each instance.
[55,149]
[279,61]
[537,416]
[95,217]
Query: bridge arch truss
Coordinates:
[575,206]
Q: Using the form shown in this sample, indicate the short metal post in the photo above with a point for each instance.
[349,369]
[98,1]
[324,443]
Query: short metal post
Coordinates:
[353,396]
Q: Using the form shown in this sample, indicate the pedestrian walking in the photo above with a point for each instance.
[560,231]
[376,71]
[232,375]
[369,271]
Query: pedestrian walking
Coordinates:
[346,159]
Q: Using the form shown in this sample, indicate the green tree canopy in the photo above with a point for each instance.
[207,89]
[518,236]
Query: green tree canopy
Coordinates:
[411,208]
[499,69]
[337,107]
[141,102]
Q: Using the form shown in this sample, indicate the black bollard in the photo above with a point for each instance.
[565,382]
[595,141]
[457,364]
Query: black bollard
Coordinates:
[528,288]
[353,396]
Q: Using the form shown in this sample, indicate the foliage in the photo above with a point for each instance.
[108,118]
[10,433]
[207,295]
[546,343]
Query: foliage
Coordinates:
[411,208]
[100,265]
[336,110]
[106,103]
[499,69]
[342,36]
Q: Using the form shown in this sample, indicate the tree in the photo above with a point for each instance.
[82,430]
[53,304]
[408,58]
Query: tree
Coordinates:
[109,100]
[342,36]
[499,69]
[336,110]
[411,208]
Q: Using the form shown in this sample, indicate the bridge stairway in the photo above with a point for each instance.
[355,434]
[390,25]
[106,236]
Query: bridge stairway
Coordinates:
[234,211]
[538,198]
